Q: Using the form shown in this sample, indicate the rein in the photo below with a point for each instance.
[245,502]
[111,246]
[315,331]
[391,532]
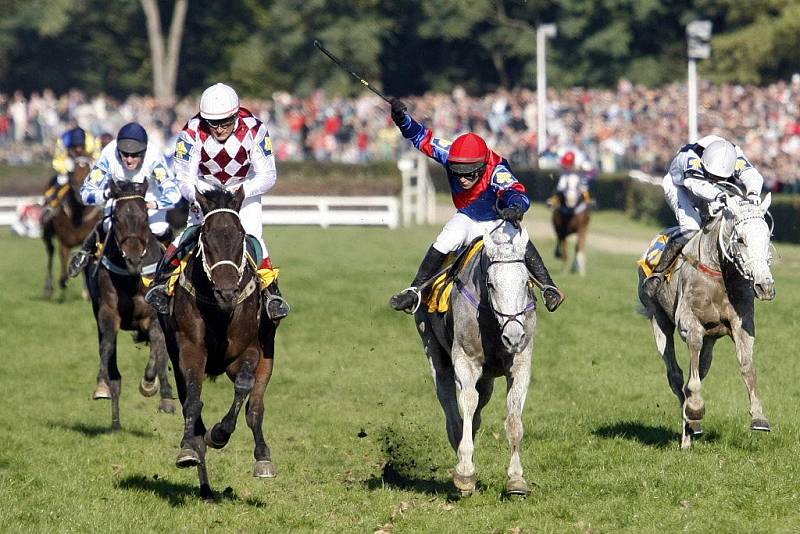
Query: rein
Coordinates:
[210,268]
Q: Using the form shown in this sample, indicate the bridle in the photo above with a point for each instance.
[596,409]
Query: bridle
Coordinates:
[731,250]
[240,267]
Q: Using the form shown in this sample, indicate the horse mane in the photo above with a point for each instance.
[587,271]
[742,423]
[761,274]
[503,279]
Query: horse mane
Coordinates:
[219,198]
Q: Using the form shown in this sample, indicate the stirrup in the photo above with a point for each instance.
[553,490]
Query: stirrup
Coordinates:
[78,263]
[158,298]
[561,297]
[417,304]
[281,310]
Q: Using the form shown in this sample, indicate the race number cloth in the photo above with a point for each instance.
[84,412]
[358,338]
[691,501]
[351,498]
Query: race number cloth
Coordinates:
[438,298]
[652,256]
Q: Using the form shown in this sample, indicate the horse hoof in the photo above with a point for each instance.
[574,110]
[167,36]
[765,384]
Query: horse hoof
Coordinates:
[167,406]
[211,442]
[148,389]
[760,424]
[694,428]
[265,469]
[465,483]
[187,458]
[102,391]
[517,486]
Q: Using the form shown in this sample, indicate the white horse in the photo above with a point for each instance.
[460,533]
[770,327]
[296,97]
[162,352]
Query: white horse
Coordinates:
[488,332]
[710,294]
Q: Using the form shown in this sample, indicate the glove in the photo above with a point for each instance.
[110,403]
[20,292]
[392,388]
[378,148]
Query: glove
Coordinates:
[716,205]
[62,179]
[69,164]
[754,198]
[511,214]
[398,111]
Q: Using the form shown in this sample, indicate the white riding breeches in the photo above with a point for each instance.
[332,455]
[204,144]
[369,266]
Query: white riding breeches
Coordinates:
[157,218]
[249,214]
[459,231]
[681,203]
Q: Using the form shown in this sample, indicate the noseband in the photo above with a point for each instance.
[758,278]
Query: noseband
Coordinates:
[508,317]
[201,249]
[114,219]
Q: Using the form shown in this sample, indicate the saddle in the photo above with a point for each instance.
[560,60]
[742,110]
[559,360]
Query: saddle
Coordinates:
[652,255]
[437,297]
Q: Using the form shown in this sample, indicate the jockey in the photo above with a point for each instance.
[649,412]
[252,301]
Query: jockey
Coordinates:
[483,190]
[224,146]
[128,158]
[572,164]
[74,143]
[691,191]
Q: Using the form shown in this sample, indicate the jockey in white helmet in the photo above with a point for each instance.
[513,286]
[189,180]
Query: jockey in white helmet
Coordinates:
[226,146]
[691,191]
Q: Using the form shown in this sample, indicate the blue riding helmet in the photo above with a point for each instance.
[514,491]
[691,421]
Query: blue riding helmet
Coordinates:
[132,138]
[74,137]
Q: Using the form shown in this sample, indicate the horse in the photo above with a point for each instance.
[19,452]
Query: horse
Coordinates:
[70,225]
[117,292]
[486,333]
[216,326]
[571,214]
[710,294]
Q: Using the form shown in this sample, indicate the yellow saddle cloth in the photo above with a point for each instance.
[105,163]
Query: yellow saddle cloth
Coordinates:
[437,298]
[652,256]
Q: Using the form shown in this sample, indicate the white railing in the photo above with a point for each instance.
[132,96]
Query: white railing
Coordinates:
[418,194]
[290,210]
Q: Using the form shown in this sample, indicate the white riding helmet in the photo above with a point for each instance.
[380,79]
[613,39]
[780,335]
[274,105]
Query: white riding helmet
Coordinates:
[719,159]
[218,102]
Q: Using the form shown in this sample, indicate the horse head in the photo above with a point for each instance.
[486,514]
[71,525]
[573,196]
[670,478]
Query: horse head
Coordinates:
[130,225]
[744,241]
[82,166]
[507,283]
[573,193]
[222,244]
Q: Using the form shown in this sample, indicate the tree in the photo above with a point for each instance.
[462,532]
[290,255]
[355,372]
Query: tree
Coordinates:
[165,58]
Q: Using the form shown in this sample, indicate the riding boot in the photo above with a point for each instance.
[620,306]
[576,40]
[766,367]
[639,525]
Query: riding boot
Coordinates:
[553,297]
[158,294]
[407,299]
[275,305]
[80,259]
[166,238]
[672,249]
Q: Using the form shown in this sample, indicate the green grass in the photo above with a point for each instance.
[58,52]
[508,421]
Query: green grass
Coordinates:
[355,428]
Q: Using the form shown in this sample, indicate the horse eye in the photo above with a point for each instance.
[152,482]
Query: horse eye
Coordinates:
[740,240]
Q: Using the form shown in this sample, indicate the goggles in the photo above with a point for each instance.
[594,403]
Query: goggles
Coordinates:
[219,124]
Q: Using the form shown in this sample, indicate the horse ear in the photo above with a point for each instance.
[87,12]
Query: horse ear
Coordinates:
[521,241]
[141,188]
[488,242]
[766,202]
[201,199]
[238,198]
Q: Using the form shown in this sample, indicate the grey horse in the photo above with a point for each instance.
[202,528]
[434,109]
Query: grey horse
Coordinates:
[487,333]
[714,282]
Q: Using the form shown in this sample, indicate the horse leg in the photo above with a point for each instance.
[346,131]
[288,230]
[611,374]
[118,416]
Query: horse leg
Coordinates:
[47,237]
[108,376]
[193,363]
[254,414]
[467,374]
[517,382]
[694,405]
[579,264]
[242,373]
[160,371]
[663,331]
[485,387]
[744,342]
[445,382]
[64,256]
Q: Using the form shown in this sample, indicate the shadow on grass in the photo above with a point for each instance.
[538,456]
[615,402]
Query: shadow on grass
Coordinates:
[92,431]
[409,467]
[659,437]
[180,494]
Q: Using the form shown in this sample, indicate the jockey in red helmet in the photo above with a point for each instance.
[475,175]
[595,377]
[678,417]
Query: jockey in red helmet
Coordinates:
[483,189]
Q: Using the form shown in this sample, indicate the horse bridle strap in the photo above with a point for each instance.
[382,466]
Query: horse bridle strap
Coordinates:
[187,285]
[702,267]
[210,268]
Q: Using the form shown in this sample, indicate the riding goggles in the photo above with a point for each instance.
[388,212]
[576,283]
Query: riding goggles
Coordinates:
[221,123]
[468,171]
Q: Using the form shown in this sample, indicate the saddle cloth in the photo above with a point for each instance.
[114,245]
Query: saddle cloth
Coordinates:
[437,298]
[652,255]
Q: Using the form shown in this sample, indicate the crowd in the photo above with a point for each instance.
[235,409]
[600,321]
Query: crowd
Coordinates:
[630,127]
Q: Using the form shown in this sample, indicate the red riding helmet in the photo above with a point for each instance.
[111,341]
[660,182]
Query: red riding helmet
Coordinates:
[468,153]
[568,160]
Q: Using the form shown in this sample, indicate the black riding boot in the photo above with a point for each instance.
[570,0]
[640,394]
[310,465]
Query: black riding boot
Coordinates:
[553,297]
[672,249]
[166,238]
[431,263]
[158,294]
[275,305]
[80,259]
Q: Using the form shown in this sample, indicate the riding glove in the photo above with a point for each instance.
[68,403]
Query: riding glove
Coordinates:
[398,111]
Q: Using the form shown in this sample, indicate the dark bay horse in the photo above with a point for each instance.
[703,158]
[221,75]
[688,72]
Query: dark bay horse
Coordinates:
[69,226]
[487,333]
[710,294]
[216,326]
[117,292]
[571,214]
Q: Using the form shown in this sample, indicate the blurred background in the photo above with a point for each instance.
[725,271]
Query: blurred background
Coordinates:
[616,75]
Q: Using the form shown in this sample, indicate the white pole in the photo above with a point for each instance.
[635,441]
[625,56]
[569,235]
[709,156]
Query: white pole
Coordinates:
[541,88]
[692,87]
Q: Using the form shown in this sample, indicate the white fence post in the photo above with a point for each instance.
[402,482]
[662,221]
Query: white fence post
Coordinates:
[418,197]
